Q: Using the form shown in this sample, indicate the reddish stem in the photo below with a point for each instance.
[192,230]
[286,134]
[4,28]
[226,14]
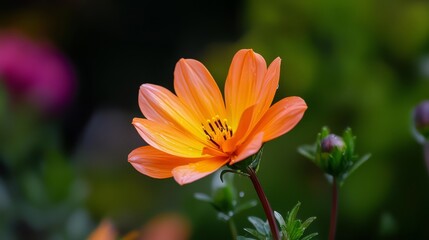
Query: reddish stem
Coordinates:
[334,210]
[265,204]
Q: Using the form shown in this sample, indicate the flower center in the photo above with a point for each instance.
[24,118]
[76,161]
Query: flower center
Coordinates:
[217,131]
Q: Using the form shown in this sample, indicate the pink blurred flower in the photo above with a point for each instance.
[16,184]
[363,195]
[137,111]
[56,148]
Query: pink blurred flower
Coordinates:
[167,226]
[34,72]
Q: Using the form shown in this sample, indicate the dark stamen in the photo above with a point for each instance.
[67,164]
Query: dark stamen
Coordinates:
[217,125]
[220,123]
[211,126]
[208,135]
[215,143]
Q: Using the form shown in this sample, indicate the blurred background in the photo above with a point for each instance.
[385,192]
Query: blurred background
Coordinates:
[69,78]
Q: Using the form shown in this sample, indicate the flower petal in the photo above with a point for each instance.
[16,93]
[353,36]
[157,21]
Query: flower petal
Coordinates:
[194,171]
[240,134]
[269,88]
[248,148]
[168,139]
[154,163]
[281,117]
[198,90]
[160,105]
[244,83]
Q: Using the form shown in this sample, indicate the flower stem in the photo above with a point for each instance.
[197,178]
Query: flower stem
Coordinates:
[233,228]
[334,210]
[265,204]
[426,152]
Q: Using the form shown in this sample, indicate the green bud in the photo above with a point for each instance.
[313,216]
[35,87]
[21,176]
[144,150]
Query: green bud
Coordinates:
[334,154]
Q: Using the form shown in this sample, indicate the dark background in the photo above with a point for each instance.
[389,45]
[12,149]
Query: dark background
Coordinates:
[359,64]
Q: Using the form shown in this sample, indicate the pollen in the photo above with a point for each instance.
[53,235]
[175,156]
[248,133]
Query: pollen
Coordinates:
[217,130]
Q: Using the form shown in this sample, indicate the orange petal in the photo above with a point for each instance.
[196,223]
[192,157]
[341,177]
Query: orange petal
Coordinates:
[248,148]
[244,83]
[281,117]
[240,134]
[168,139]
[198,90]
[160,105]
[194,171]
[269,88]
[154,163]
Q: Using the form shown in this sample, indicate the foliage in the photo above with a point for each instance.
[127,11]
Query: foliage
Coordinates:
[291,229]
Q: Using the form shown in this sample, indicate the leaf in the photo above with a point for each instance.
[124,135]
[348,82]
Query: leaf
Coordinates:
[257,223]
[359,162]
[279,218]
[246,205]
[307,222]
[293,213]
[203,197]
[244,238]
[255,233]
[310,236]
[308,151]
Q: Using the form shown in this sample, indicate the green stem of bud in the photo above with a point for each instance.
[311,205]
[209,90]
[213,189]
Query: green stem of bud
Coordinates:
[233,228]
[265,204]
[334,210]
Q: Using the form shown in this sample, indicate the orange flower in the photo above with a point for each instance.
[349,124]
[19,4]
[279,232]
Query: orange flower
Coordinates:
[194,133]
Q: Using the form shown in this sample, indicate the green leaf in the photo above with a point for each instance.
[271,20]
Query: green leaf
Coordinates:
[244,238]
[308,151]
[359,162]
[203,197]
[257,223]
[246,205]
[307,222]
[310,236]
[255,233]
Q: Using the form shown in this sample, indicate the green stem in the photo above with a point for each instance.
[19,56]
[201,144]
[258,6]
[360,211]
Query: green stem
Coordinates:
[334,210]
[265,204]
[233,228]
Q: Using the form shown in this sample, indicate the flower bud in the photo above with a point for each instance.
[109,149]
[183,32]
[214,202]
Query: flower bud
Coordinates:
[334,154]
[421,119]
[331,142]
